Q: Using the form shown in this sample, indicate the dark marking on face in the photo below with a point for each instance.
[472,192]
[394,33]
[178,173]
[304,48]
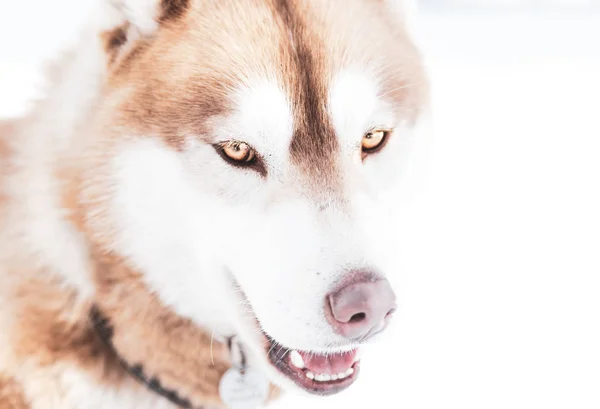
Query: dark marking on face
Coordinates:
[314,144]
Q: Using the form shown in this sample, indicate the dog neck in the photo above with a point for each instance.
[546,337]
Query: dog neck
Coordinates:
[180,360]
[105,331]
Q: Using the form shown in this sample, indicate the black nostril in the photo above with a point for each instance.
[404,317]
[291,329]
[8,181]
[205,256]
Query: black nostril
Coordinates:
[361,316]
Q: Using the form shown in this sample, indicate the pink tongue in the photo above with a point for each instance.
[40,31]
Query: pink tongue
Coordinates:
[330,364]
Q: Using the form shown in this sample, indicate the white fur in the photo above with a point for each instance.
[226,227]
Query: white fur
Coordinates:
[356,107]
[406,12]
[37,222]
[141,13]
[203,232]
[168,227]
[197,227]
[191,242]
[160,222]
[263,118]
[55,245]
[72,389]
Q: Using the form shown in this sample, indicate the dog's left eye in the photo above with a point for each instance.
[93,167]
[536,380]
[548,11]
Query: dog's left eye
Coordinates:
[374,141]
[239,153]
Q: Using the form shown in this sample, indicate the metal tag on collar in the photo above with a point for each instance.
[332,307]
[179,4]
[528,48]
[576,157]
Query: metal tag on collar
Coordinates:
[242,387]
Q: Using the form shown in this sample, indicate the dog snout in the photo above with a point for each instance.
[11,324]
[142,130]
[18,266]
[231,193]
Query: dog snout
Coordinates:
[361,308]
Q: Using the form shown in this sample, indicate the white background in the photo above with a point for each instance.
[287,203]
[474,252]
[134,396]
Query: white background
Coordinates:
[499,247]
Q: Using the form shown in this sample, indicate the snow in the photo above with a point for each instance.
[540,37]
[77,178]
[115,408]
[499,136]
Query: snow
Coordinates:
[499,247]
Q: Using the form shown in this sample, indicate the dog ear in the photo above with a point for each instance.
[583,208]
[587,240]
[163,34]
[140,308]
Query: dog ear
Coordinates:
[147,15]
[130,20]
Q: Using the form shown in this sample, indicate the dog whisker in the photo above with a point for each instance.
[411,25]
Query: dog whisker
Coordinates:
[405,86]
[283,356]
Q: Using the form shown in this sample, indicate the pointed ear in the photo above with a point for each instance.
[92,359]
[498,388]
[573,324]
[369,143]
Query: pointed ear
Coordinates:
[140,14]
[146,15]
[126,21]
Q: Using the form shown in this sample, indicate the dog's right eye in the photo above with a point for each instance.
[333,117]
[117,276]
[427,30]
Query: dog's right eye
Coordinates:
[238,152]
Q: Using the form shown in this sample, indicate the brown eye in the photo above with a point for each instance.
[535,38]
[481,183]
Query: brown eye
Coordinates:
[374,141]
[241,155]
[238,152]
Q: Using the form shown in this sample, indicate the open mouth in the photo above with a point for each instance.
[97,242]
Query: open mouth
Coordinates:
[322,374]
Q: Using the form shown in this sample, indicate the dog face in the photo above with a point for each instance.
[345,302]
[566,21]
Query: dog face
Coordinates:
[237,157]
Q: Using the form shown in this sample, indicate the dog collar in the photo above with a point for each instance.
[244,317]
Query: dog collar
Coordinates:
[105,331]
[240,387]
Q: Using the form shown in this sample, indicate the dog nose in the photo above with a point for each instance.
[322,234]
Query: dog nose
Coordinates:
[361,309]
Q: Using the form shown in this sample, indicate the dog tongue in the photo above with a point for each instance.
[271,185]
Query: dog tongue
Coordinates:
[328,364]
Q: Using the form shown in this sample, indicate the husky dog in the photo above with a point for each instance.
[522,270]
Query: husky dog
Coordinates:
[202,171]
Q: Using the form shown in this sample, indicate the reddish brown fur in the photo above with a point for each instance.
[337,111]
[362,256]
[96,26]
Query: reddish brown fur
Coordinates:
[6,130]
[173,9]
[169,347]
[177,82]
[11,394]
[174,92]
[54,327]
[113,40]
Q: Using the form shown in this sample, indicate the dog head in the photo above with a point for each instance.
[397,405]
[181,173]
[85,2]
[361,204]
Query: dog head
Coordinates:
[235,159]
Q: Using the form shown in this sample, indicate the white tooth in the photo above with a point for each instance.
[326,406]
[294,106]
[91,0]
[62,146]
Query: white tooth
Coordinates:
[297,360]
[349,371]
[319,377]
[326,378]
[334,377]
[310,375]
[341,375]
